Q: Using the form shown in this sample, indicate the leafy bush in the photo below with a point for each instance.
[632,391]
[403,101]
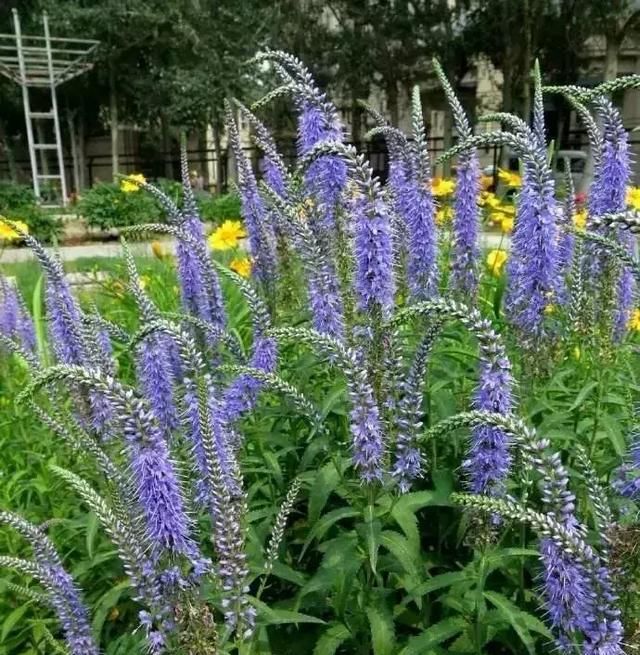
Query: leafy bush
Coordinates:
[216,209]
[106,206]
[18,202]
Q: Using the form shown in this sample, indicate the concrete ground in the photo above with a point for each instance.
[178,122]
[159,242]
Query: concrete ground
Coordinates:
[71,253]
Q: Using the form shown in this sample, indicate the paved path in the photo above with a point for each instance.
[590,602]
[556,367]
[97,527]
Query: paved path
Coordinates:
[71,253]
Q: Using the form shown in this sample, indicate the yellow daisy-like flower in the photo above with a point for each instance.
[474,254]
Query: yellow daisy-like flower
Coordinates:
[506,225]
[489,199]
[132,182]
[508,209]
[443,215]
[227,235]
[633,197]
[496,260]
[7,233]
[441,187]
[580,219]
[158,250]
[485,182]
[496,218]
[634,321]
[509,178]
[241,266]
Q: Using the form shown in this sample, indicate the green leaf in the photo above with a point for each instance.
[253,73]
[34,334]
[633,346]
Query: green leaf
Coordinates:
[326,481]
[275,616]
[13,618]
[332,399]
[382,631]
[92,531]
[329,519]
[407,520]
[372,532]
[106,603]
[284,572]
[441,581]
[331,639]
[582,395]
[513,615]
[402,549]
[434,635]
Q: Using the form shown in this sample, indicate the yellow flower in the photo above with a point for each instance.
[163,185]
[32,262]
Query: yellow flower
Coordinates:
[496,260]
[633,197]
[441,187]
[509,178]
[227,235]
[485,182]
[7,233]
[496,218]
[489,198]
[443,215]
[549,309]
[158,250]
[506,225]
[580,219]
[634,321]
[241,266]
[132,183]
[576,353]
[508,209]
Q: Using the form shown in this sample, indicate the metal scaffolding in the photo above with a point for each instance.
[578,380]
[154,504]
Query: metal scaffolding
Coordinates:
[43,62]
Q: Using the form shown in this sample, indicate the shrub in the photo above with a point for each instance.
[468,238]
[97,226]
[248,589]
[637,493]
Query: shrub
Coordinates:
[106,206]
[216,209]
[18,202]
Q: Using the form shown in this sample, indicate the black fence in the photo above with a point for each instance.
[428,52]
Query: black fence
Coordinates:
[167,165]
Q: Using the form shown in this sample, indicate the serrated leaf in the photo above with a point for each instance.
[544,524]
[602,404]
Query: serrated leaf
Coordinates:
[404,552]
[106,603]
[325,482]
[92,531]
[12,619]
[372,532]
[329,519]
[331,639]
[382,631]
[434,635]
[408,522]
[276,616]
[441,581]
[582,395]
[513,615]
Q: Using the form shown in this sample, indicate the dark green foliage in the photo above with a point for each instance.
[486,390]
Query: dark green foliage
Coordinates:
[18,203]
[217,209]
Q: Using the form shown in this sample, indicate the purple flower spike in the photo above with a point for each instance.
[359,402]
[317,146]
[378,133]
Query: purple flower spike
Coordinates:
[64,321]
[374,282]
[242,395]
[155,375]
[366,431]
[535,281]
[15,321]
[464,274]
[489,460]
[157,487]
[422,241]
[255,214]
[62,592]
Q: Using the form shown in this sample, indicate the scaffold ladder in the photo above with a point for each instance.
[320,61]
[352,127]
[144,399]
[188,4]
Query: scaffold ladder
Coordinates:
[43,62]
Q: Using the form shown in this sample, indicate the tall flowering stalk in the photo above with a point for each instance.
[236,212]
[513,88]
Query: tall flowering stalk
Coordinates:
[15,322]
[466,217]
[261,233]
[62,593]
[199,284]
[608,196]
[488,463]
